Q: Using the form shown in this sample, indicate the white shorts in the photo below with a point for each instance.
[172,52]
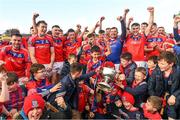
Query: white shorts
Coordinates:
[57,67]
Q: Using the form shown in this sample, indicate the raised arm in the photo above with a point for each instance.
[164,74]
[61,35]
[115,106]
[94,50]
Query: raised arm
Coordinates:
[130,20]
[175,28]
[35,15]
[122,20]
[82,34]
[78,29]
[151,20]
[4,93]
[101,20]
[94,28]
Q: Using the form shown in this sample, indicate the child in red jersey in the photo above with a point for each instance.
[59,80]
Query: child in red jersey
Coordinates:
[16,94]
[83,96]
[33,108]
[95,63]
[39,83]
[151,108]
[86,49]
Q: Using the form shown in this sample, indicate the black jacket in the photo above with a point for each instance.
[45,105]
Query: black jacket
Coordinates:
[65,70]
[129,72]
[156,82]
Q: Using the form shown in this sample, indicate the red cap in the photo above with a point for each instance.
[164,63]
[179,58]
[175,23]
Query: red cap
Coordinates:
[33,101]
[128,97]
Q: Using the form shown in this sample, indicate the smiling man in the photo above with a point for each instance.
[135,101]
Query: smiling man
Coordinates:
[16,58]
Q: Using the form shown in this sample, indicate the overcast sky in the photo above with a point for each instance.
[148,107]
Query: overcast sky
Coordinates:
[68,13]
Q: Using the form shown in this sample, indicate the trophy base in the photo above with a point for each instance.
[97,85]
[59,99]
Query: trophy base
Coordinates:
[104,86]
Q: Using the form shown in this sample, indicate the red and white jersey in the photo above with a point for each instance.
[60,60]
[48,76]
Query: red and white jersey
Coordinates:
[135,46]
[158,40]
[72,46]
[58,48]
[42,47]
[86,54]
[102,45]
[17,61]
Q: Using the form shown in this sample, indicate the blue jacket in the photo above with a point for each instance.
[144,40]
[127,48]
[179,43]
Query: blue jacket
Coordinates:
[117,45]
[176,34]
[70,89]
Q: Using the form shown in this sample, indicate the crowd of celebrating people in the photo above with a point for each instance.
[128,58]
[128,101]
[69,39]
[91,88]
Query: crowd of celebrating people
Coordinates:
[57,75]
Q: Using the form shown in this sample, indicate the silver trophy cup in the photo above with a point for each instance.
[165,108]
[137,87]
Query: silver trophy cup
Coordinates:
[108,75]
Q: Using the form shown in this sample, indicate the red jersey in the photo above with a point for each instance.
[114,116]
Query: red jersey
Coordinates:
[72,46]
[168,40]
[151,116]
[25,42]
[158,40]
[58,48]
[102,45]
[16,61]
[92,66]
[3,43]
[86,54]
[135,45]
[83,96]
[42,47]
[34,84]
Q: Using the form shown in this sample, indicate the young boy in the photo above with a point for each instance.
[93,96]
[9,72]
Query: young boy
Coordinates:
[95,63]
[130,112]
[164,82]
[83,103]
[39,83]
[72,58]
[33,108]
[151,108]
[127,67]
[16,94]
[4,94]
[138,88]
[152,63]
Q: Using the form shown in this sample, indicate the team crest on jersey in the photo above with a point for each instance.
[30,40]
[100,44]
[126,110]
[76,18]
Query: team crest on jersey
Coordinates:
[155,40]
[88,51]
[97,64]
[58,41]
[42,42]
[136,37]
[34,104]
[16,55]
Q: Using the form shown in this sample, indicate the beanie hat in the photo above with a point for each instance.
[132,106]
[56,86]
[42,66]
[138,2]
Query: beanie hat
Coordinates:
[128,97]
[109,64]
[33,101]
